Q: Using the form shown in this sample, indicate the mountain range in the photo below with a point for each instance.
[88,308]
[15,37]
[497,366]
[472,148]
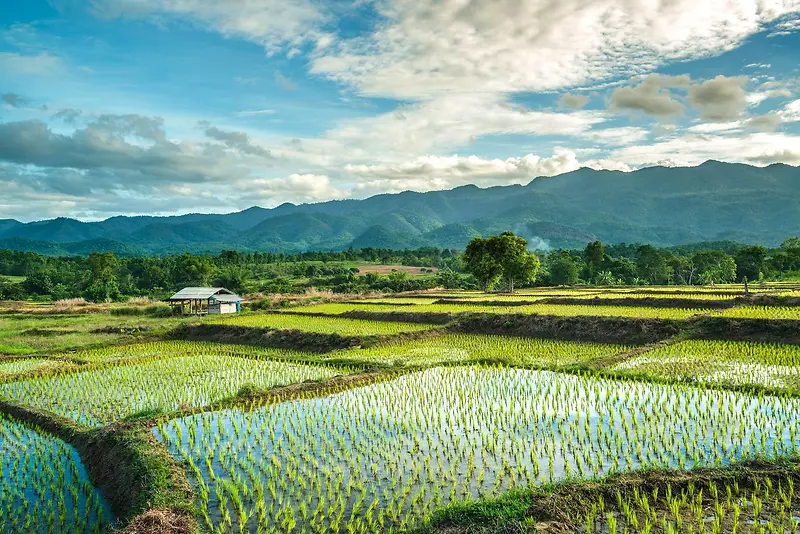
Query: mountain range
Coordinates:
[663,206]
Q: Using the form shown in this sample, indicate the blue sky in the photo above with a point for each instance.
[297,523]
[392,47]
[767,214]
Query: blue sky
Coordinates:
[169,106]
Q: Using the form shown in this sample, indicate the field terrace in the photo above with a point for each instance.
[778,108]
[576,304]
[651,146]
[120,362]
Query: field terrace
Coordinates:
[436,412]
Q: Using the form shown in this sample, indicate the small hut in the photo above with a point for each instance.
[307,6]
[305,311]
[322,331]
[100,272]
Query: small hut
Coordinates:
[202,300]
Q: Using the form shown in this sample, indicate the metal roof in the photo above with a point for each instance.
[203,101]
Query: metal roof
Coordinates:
[201,293]
[227,298]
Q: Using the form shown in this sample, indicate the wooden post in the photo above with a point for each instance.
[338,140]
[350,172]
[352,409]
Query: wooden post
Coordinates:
[746,288]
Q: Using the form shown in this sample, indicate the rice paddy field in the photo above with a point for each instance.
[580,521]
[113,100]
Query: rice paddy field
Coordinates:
[561,310]
[305,421]
[45,487]
[324,325]
[465,348]
[727,362]
[385,456]
[101,396]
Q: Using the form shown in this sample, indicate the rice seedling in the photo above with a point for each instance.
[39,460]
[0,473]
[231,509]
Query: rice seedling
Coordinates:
[102,396]
[382,458]
[25,365]
[325,325]
[564,310]
[726,362]
[182,348]
[763,506]
[791,313]
[452,348]
[399,300]
[45,487]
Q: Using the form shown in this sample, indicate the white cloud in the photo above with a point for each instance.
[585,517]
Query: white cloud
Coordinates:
[652,96]
[568,100]
[444,172]
[444,123]
[41,64]
[755,148]
[426,48]
[785,27]
[706,127]
[294,188]
[274,24]
[791,111]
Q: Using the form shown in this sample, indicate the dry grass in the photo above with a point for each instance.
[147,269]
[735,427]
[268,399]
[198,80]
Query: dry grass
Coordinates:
[161,521]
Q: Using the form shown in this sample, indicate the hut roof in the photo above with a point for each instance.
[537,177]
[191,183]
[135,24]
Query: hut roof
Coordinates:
[202,293]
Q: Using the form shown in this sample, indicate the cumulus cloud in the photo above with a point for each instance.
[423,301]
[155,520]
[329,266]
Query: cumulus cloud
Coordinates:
[720,99]
[568,100]
[652,96]
[236,140]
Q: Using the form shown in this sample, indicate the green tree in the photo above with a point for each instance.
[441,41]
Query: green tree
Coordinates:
[517,263]
[563,271]
[448,279]
[193,270]
[751,262]
[594,254]
[233,278]
[651,265]
[792,249]
[714,267]
[38,283]
[480,262]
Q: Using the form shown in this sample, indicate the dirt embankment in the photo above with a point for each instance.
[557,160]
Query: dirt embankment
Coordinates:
[555,510]
[135,473]
[649,302]
[400,316]
[734,329]
[265,337]
[622,330]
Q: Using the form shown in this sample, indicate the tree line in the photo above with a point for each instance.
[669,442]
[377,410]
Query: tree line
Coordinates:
[497,262]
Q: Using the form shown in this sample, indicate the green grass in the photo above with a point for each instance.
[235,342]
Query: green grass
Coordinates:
[29,333]
[323,325]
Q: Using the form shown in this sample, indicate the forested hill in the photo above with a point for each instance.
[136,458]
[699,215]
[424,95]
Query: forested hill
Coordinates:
[658,205]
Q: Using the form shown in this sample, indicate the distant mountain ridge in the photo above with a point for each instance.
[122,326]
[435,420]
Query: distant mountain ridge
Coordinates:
[663,206]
